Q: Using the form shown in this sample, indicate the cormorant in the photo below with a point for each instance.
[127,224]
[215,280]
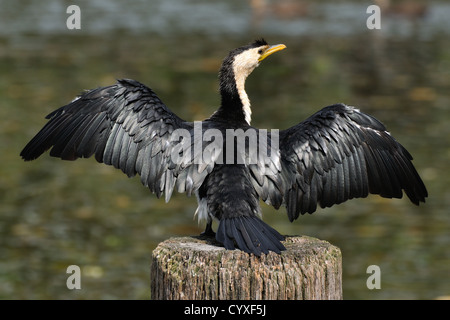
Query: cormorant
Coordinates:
[339,153]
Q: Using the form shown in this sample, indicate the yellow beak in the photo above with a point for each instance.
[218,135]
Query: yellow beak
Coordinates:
[270,50]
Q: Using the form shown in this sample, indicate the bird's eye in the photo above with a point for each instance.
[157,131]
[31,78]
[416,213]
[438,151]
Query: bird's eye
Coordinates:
[260,51]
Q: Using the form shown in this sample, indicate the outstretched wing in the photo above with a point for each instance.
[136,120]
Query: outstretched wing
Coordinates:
[125,125]
[340,153]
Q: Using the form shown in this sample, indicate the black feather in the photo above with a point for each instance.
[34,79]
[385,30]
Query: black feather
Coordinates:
[352,153]
[250,234]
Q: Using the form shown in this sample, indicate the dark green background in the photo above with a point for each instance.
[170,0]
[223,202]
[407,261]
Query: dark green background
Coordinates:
[54,213]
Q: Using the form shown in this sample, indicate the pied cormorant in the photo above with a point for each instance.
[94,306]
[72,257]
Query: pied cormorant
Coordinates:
[339,153]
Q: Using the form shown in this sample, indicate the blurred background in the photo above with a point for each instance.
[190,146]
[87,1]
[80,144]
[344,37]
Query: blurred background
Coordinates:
[55,213]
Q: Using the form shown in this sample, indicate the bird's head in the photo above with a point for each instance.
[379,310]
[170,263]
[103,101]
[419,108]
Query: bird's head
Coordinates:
[235,69]
[243,60]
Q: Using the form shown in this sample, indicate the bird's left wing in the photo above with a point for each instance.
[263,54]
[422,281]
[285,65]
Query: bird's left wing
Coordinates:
[125,125]
[337,154]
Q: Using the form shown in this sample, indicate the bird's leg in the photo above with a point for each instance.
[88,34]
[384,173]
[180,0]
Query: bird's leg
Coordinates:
[208,231]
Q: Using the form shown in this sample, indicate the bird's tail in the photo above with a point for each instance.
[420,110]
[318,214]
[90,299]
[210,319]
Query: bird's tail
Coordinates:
[250,234]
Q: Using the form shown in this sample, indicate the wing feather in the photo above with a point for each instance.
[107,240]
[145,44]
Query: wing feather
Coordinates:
[340,153]
[127,126]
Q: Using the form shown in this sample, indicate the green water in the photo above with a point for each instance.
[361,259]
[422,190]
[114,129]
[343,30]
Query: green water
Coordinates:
[55,213]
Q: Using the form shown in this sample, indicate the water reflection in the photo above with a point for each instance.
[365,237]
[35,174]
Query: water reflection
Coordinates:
[233,17]
[57,213]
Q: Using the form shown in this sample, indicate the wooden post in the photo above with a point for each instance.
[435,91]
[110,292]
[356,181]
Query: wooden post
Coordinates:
[196,268]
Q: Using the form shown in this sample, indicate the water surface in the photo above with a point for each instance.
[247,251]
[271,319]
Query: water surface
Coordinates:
[55,213]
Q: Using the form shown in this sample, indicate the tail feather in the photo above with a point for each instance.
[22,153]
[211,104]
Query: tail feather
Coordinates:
[250,234]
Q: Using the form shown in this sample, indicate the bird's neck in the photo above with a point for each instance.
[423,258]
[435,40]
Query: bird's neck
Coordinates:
[235,104]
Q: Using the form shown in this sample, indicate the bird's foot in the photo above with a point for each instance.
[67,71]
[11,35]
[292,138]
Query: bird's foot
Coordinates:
[208,232]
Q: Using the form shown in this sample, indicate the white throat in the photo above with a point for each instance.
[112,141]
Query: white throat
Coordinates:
[242,67]
[240,86]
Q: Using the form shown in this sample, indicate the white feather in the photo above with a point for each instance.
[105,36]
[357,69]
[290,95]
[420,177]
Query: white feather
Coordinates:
[202,213]
[243,64]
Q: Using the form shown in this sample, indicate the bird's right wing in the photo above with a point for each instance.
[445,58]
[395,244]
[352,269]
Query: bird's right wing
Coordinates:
[125,125]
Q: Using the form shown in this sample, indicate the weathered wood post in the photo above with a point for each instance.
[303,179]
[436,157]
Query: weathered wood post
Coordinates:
[197,269]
